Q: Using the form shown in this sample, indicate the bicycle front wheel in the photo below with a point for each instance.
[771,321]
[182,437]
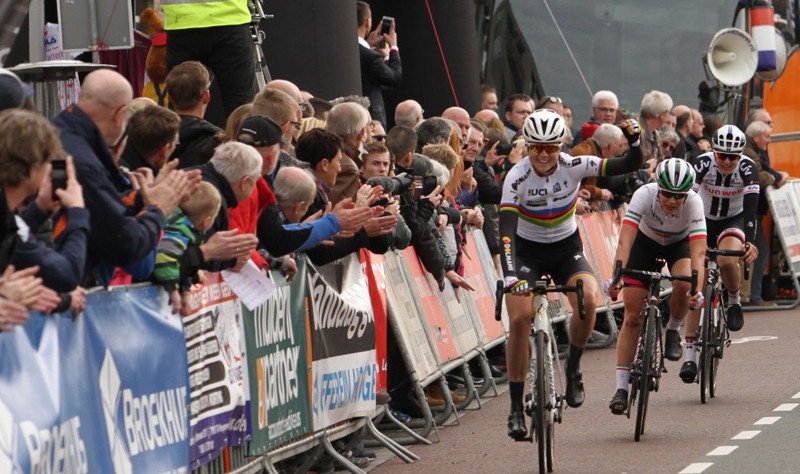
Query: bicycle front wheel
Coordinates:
[648,350]
[717,335]
[706,343]
[545,402]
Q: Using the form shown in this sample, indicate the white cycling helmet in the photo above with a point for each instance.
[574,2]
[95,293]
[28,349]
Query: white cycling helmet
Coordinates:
[675,175]
[544,126]
[729,139]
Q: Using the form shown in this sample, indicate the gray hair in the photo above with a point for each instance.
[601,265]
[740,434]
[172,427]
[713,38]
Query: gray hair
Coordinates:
[606,134]
[432,131]
[407,112]
[347,120]
[293,185]
[655,103]
[604,95]
[235,160]
[757,127]
[667,133]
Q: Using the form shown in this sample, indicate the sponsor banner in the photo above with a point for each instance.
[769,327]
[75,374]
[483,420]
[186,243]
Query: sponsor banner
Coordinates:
[594,231]
[404,316]
[342,346]
[481,302]
[216,370]
[376,281]
[784,204]
[426,293]
[489,269]
[127,414]
[462,327]
[277,365]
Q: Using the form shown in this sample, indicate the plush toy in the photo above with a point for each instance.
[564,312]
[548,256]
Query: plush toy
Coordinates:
[156,64]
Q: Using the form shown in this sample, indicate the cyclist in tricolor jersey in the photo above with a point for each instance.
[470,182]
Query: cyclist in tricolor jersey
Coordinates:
[539,236]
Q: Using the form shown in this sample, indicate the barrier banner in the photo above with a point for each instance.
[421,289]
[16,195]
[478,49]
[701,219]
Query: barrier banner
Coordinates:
[431,311]
[376,281]
[784,204]
[343,367]
[462,326]
[489,269]
[215,353]
[105,393]
[481,301]
[405,318]
[277,361]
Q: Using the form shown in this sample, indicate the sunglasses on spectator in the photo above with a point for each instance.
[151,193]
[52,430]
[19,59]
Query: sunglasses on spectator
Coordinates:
[542,147]
[727,156]
[551,100]
[295,123]
[379,138]
[671,195]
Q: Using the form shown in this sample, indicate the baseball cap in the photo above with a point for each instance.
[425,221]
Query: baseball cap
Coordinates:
[12,92]
[259,131]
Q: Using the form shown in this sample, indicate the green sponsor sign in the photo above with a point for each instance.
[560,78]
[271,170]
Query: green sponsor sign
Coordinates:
[277,365]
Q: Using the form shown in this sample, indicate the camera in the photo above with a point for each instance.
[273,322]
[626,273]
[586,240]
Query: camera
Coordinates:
[393,186]
[503,149]
[386,25]
[58,175]
[382,202]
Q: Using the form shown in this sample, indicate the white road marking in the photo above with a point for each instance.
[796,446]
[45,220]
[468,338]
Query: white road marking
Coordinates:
[752,339]
[722,450]
[767,420]
[696,467]
[786,407]
[796,395]
[747,435]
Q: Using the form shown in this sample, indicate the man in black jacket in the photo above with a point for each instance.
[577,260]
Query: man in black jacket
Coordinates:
[380,68]
[187,86]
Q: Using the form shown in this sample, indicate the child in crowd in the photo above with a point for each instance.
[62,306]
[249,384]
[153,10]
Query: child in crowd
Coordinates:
[184,228]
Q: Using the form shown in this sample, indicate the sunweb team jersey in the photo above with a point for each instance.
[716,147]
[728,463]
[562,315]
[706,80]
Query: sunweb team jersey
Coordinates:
[726,196]
[645,214]
[542,208]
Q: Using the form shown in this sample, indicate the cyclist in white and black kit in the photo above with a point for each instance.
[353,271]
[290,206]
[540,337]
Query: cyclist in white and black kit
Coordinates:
[727,182]
[664,221]
[539,236]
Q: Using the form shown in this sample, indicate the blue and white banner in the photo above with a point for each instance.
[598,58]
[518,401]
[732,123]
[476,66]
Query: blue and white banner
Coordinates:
[105,393]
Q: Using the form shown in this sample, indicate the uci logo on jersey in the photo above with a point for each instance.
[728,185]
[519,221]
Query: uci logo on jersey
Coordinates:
[537,192]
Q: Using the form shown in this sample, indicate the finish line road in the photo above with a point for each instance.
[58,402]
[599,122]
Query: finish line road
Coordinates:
[751,426]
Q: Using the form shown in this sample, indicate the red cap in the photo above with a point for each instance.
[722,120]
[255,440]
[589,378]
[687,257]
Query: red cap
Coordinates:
[588,129]
[160,39]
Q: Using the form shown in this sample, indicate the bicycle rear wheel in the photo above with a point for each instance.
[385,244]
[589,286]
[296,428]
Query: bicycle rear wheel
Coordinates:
[706,343]
[545,398]
[648,350]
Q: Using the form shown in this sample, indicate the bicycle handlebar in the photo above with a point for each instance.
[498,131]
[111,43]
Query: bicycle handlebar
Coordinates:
[540,287]
[712,254]
[619,272]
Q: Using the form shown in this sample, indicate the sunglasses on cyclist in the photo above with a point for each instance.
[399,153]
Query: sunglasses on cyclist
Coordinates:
[671,195]
[541,147]
[727,156]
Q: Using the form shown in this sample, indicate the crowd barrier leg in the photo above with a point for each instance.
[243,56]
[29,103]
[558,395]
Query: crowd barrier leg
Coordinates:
[343,461]
[449,406]
[488,380]
[268,467]
[407,456]
[471,392]
[423,427]
[599,340]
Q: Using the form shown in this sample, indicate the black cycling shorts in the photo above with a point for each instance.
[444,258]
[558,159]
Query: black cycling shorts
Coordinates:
[645,255]
[718,230]
[561,260]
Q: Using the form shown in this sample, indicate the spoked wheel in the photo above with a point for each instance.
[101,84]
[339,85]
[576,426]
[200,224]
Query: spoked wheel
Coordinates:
[648,349]
[545,402]
[718,336]
[707,343]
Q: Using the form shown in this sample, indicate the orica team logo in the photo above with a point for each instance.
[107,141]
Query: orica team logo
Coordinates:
[109,390]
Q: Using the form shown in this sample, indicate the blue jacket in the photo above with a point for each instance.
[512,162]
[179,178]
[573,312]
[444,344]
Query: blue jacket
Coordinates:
[117,237]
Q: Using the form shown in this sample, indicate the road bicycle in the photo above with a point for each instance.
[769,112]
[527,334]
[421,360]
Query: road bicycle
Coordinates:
[544,402]
[648,363]
[713,335]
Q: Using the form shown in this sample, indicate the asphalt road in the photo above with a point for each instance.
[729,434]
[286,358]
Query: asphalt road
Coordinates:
[739,431]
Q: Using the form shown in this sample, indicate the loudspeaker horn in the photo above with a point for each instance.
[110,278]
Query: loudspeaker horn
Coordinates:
[732,57]
[780,59]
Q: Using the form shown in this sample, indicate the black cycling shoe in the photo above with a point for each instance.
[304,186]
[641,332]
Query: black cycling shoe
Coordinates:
[619,402]
[575,394]
[688,371]
[735,317]
[516,425]
[672,345]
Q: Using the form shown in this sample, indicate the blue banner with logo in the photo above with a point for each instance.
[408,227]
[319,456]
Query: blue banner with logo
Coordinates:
[107,392]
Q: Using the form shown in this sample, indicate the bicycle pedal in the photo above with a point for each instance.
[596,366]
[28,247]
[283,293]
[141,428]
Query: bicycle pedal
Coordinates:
[525,438]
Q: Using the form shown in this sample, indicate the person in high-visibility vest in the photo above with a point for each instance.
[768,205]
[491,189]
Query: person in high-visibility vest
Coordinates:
[216,33]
